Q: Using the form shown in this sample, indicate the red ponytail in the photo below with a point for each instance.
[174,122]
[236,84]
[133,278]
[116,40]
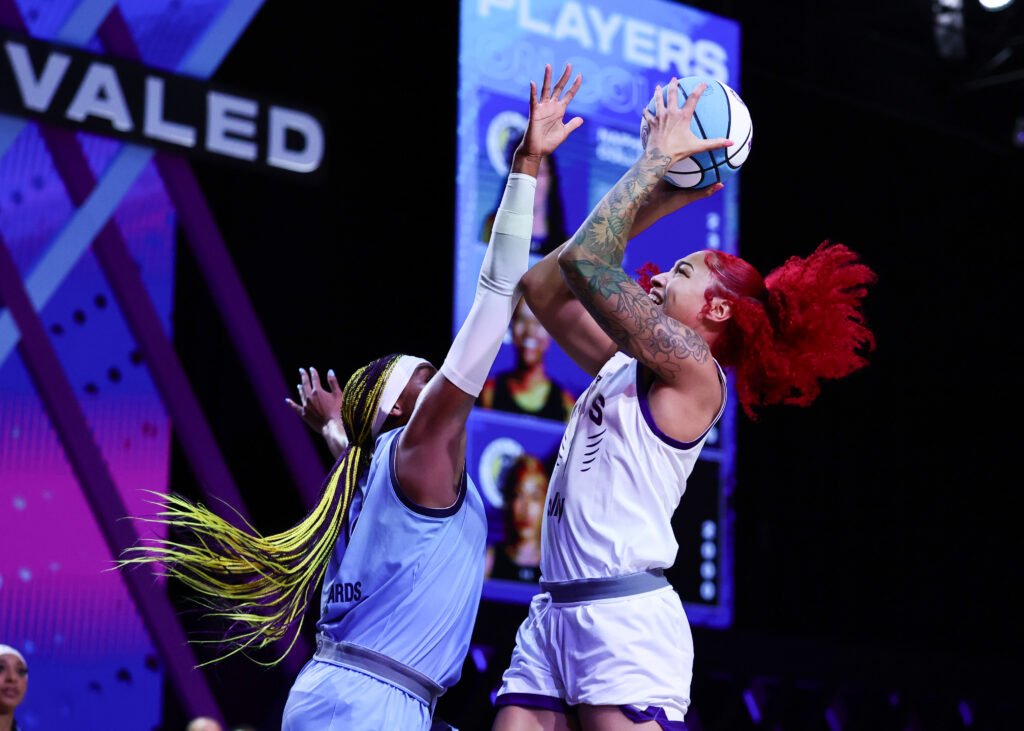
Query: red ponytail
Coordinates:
[801,324]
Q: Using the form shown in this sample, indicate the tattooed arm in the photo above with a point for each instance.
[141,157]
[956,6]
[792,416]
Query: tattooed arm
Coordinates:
[591,262]
[563,316]
[556,306]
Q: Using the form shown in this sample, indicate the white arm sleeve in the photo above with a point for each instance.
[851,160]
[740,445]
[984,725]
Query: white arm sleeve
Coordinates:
[506,261]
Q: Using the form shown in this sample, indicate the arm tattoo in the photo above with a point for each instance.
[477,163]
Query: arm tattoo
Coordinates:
[592,264]
[622,309]
[603,235]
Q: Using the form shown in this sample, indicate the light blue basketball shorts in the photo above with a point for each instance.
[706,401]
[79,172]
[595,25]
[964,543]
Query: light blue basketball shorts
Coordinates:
[328,697]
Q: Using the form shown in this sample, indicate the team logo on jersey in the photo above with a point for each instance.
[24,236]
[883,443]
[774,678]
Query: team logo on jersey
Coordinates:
[591,447]
[346,592]
[556,506]
[597,410]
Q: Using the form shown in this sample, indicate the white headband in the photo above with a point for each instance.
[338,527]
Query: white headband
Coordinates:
[401,373]
[8,650]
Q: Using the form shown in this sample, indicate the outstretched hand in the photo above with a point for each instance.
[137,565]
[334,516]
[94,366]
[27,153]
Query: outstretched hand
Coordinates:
[546,131]
[670,131]
[320,408]
[317,405]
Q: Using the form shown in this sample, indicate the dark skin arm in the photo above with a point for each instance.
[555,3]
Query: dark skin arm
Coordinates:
[432,448]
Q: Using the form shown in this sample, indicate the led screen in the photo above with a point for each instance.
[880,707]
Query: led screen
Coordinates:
[622,49]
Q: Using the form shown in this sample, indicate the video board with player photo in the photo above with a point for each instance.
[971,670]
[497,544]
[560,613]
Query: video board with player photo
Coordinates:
[622,49]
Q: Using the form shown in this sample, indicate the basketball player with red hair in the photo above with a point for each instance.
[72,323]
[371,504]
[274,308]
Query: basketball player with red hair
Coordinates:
[606,644]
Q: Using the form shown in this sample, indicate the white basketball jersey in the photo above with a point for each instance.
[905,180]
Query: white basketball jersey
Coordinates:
[616,484]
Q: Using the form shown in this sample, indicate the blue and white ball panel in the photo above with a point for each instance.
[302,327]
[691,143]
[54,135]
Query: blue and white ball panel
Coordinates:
[741,129]
[719,113]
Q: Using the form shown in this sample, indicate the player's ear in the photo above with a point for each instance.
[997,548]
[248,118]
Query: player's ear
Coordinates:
[720,310]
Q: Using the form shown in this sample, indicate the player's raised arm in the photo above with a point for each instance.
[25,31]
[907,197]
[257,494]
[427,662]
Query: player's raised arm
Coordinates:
[431,450]
[562,315]
[591,261]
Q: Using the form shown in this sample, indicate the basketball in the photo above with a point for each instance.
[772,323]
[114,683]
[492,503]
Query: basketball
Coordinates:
[720,113]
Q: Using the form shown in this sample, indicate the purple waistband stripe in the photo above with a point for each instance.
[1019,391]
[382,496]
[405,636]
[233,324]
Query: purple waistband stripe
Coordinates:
[652,713]
[533,700]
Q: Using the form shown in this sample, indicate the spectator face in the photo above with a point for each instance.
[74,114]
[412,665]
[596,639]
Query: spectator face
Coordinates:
[530,338]
[13,682]
[528,504]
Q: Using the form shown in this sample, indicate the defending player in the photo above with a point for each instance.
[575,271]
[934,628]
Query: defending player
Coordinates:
[399,529]
[607,644]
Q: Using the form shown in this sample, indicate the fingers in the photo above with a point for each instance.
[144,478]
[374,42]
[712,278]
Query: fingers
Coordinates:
[718,143]
[562,81]
[333,380]
[691,101]
[672,102]
[545,90]
[700,193]
[295,407]
[574,88]
[669,99]
[659,101]
[304,386]
[302,393]
[573,125]
[314,378]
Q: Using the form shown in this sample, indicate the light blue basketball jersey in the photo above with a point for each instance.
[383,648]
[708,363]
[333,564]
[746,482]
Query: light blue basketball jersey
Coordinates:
[407,583]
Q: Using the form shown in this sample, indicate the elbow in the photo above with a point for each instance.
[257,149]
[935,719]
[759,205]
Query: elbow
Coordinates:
[569,269]
[529,284]
[566,260]
[570,265]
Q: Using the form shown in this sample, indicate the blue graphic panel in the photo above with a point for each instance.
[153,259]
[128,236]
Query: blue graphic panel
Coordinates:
[623,49]
[92,663]
[79,629]
[166,30]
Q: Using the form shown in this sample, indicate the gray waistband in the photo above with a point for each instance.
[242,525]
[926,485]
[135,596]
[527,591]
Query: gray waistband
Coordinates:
[585,590]
[358,657]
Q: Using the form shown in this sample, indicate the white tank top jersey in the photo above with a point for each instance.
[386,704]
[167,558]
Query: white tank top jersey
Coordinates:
[617,481]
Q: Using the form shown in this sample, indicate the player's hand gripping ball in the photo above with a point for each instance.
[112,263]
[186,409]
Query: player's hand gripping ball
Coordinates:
[720,113]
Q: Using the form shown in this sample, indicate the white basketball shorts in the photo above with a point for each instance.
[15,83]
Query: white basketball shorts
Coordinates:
[634,651]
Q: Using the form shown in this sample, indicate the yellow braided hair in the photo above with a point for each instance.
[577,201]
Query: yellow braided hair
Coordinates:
[260,585]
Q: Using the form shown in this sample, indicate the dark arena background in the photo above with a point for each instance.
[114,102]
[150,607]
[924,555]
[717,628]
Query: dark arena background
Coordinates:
[283,185]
